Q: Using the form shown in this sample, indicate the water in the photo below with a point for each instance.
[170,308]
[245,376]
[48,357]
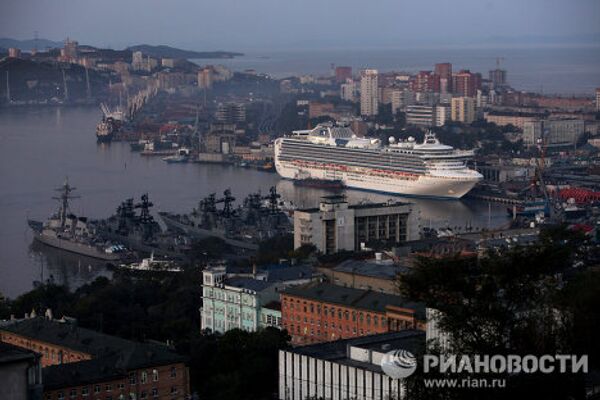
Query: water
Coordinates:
[561,70]
[40,147]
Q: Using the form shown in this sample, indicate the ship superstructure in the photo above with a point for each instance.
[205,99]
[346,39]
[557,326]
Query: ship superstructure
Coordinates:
[332,152]
[66,231]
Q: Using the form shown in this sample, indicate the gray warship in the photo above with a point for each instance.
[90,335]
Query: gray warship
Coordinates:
[257,219]
[66,231]
[140,232]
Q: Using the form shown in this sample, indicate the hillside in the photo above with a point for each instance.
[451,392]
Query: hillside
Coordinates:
[172,52]
[29,44]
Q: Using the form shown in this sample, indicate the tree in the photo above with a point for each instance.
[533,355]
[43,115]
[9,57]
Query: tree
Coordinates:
[509,302]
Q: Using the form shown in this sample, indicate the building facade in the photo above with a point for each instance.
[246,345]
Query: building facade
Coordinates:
[553,132]
[229,303]
[369,92]
[345,369]
[20,373]
[420,115]
[335,226]
[323,312]
[463,109]
[81,364]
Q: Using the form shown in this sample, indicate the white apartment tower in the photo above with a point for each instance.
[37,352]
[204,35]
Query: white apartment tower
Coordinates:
[369,98]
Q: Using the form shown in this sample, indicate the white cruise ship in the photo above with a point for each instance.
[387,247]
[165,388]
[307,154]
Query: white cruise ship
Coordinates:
[332,152]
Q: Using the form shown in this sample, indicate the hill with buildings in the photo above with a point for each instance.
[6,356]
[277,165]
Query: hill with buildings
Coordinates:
[29,44]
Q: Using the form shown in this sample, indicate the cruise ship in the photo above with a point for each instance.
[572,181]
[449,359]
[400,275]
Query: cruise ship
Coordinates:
[333,152]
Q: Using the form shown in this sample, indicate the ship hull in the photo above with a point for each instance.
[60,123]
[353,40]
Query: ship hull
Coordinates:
[422,186]
[104,138]
[77,248]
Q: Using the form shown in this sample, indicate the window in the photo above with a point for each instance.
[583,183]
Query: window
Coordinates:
[144,378]
[61,396]
[154,392]
[85,391]
[173,390]
[132,378]
[97,389]
[143,395]
[108,388]
[154,375]
[73,393]
[173,372]
[121,386]
[131,396]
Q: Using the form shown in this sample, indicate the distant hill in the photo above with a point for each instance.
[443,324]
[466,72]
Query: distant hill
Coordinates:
[172,52]
[40,44]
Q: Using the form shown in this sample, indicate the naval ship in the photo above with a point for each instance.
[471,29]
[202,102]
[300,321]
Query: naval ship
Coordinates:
[243,227]
[66,231]
[333,152]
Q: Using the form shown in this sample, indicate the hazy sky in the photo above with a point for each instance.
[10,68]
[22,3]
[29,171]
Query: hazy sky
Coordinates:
[278,24]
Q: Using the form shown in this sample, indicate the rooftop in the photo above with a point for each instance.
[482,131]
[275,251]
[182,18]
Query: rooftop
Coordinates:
[384,269]
[336,351]
[110,355]
[357,298]
[247,283]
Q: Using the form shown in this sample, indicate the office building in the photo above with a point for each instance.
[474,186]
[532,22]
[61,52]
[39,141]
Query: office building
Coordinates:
[81,364]
[463,109]
[342,74]
[553,132]
[345,369]
[335,226]
[369,95]
[323,312]
[420,115]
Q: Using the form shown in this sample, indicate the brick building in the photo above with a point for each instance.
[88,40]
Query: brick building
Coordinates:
[83,364]
[322,312]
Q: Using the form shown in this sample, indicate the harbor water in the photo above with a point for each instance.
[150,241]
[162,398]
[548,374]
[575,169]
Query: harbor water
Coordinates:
[41,147]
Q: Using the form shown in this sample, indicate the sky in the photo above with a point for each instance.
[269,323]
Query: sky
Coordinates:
[238,25]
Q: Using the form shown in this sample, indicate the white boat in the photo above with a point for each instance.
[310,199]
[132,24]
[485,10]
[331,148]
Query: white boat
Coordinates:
[153,265]
[331,152]
[182,156]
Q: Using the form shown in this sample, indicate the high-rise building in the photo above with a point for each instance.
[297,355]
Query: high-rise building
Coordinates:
[205,78]
[137,61]
[348,90]
[598,99]
[465,83]
[369,98]
[498,77]
[463,109]
[14,52]
[423,82]
[443,73]
[342,74]
[442,114]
